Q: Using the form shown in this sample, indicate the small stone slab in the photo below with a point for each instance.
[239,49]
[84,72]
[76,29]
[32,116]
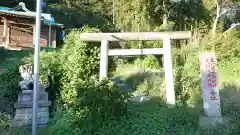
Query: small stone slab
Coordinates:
[23,116]
[29,104]
[20,123]
[29,110]
[27,91]
[28,96]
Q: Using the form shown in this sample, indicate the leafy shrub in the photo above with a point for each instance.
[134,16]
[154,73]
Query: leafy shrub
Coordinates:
[9,81]
[72,76]
[191,79]
[5,120]
[95,102]
[151,84]
[62,124]
[151,62]
[79,62]
[80,92]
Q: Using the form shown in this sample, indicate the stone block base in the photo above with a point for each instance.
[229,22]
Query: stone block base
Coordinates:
[212,122]
[28,122]
[23,114]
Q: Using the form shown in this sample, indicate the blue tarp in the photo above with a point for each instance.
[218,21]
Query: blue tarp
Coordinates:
[48,19]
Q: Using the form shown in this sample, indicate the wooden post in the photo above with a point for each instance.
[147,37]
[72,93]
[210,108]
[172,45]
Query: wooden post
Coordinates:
[170,93]
[34,32]
[49,36]
[8,37]
[103,60]
[4,28]
[5,32]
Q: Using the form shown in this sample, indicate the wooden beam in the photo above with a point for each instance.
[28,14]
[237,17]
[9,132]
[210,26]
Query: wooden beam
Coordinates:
[133,52]
[144,36]
[20,23]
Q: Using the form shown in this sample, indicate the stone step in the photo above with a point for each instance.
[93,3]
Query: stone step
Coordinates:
[29,110]
[28,104]
[28,115]
[28,96]
[19,123]
[42,88]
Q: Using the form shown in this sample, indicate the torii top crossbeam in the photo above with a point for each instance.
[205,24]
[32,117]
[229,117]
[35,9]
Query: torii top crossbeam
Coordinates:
[143,36]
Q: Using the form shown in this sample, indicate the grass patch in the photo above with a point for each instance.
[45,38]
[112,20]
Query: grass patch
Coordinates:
[150,118]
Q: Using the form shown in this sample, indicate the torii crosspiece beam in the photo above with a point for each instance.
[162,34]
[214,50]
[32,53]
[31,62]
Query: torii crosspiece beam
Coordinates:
[143,36]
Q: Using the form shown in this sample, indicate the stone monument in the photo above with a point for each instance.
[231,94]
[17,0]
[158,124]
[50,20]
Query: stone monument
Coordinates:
[23,114]
[210,89]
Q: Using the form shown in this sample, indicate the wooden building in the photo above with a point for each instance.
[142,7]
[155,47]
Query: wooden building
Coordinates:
[17,28]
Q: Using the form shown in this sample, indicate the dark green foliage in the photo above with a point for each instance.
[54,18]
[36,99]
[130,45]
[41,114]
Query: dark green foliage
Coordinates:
[9,83]
[9,88]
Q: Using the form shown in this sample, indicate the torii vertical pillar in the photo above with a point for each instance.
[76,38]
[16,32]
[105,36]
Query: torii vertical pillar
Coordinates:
[170,93]
[103,60]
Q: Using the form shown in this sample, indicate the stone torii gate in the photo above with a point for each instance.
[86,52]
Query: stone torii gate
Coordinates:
[104,38]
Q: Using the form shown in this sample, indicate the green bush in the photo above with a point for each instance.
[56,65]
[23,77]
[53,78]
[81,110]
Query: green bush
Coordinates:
[191,80]
[72,76]
[80,62]
[96,102]
[9,83]
[151,62]
[80,90]
[5,120]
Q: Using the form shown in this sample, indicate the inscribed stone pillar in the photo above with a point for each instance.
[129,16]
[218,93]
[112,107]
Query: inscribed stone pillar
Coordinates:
[210,87]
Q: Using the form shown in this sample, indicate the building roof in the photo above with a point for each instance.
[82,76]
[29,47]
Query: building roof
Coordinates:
[47,18]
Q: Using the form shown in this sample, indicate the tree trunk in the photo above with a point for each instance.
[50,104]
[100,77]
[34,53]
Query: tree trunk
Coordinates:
[165,15]
[218,2]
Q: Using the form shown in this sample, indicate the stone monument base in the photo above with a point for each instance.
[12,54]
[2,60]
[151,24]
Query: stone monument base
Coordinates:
[23,114]
[212,122]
